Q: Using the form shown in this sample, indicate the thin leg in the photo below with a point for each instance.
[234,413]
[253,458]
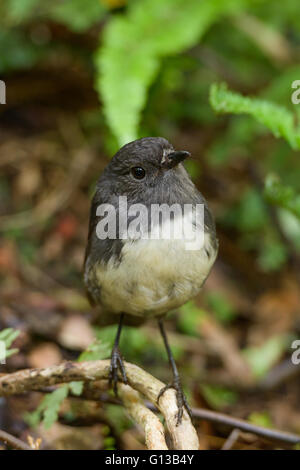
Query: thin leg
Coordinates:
[116,361]
[181,399]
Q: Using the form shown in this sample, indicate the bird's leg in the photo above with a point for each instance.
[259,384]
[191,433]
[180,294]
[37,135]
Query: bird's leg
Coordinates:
[176,383]
[116,361]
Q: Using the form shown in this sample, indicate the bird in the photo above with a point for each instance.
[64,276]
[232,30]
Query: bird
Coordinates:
[131,268]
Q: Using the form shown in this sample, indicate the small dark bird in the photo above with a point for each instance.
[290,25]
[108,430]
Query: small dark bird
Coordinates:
[132,273]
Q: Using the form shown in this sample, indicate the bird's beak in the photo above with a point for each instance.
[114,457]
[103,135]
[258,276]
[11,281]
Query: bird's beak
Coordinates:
[174,158]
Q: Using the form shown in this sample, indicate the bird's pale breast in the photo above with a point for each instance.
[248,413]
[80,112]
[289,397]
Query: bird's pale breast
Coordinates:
[154,275]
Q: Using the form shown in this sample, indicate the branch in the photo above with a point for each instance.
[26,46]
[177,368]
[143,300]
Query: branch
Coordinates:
[243,425]
[13,442]
[153,428]
[231,439]
[184,436]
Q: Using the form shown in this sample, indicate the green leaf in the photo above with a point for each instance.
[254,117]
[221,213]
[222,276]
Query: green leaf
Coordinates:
[52,404]
[263,357]
[291,226]
[48,409]
[8,335]
[221,306]
[118,418]
[261,419]
[190,318]
[132,49]
[124,78]
[78,15]
[280,195]
[22,54]
[9,352]
[249,214]
[273,254]
[21,10]
[96,351]
[276,118]
[76,388]
[218,397]
[109,443]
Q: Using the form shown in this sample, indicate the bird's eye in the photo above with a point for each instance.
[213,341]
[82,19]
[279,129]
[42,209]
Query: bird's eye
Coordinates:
[138,172]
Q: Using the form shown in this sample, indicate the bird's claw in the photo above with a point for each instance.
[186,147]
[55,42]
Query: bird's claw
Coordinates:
[180,398]
[116,363]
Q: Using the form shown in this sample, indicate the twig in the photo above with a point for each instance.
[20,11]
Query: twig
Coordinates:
[13,441]
[231,439]
[242,425]
[153,428]
[184,436]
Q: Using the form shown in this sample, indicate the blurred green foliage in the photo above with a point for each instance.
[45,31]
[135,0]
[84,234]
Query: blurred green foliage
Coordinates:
[221,306]
[133,46]
[78,15]
[281,195]
[48,409]
[189,321]
[8,336]
[96,351]
[262,358]
[261,419]
[136,344]
[218,397]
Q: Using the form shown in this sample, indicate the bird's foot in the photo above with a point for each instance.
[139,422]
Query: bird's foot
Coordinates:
[116,364]
[180,397]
